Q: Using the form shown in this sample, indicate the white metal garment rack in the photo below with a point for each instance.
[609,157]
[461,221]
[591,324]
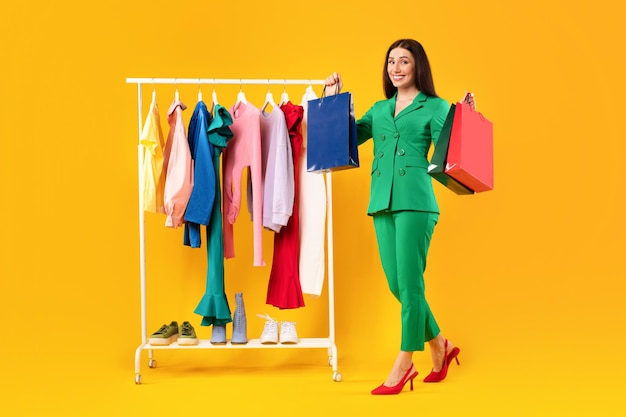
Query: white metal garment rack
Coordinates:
[327,343]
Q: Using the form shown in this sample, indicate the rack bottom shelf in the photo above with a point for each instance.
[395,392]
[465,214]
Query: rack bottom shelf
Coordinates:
[304,343]
[252,344]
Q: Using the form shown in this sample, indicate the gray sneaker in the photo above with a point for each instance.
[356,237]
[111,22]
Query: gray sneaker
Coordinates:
[187,335]
[165,335]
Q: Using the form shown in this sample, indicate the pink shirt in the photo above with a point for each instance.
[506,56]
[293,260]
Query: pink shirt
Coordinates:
[178,166]
[243,150]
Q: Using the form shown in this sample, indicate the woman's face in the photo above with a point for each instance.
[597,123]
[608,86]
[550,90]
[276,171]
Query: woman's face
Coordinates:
[401,68]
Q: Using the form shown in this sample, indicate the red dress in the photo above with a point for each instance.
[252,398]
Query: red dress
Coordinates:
[283,290]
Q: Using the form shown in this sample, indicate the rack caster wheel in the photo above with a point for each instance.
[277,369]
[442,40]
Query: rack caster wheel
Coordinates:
[337,376]
[138,379]
[152,363]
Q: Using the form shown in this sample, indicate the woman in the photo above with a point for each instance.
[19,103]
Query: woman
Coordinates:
[402,201]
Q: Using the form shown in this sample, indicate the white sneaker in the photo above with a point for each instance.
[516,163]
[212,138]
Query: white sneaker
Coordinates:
[270,330]
[288,333]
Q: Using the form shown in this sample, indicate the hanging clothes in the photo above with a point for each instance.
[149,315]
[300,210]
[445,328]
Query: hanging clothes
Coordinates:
[278,173]
[312,212]
[200,205]
[178,167]
[152,175]
[243,150]
[284,290]
[213,307]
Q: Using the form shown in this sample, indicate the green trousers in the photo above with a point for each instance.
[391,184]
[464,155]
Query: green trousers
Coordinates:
[403,242]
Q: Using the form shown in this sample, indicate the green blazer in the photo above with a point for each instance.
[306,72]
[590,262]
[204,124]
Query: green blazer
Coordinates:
[400,180]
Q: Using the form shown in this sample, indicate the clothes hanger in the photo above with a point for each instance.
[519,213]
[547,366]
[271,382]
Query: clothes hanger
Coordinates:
[153,91]
[309,93]
[241,97]
[269,98]
[284,97]
[213,98]
[199,92]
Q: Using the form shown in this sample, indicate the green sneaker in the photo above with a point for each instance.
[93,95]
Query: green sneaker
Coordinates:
[165,335]
[187,335]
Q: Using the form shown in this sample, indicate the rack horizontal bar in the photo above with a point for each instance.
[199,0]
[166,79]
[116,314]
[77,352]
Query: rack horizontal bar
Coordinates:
[234,81]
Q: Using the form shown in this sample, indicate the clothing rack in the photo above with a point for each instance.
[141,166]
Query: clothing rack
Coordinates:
[327,343]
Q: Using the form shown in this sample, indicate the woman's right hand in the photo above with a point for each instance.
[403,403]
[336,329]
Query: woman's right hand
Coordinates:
[333,80]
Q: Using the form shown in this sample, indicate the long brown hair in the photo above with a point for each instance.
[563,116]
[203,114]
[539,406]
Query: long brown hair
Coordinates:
[423,76]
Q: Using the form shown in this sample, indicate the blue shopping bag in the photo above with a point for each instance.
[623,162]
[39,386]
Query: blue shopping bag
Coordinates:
[331,134]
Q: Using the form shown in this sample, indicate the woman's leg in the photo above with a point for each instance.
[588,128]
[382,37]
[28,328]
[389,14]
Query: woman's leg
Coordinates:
[403,241]
[439,351]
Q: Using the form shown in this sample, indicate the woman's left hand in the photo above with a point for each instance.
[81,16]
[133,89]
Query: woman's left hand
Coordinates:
[468,98]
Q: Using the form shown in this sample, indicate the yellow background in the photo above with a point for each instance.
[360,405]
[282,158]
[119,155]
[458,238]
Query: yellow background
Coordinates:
[527,279]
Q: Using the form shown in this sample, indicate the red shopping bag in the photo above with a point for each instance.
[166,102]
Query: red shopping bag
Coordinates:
[470,153]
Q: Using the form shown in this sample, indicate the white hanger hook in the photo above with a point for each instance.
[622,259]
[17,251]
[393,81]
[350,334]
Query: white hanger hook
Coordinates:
[214,95]
[284,97]
[241,96]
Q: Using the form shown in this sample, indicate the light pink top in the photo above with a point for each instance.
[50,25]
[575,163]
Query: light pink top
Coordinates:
[243,150]
[278,176]
[178,166]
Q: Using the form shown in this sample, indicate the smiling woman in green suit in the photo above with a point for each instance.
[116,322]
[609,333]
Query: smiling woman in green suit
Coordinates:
[402,200]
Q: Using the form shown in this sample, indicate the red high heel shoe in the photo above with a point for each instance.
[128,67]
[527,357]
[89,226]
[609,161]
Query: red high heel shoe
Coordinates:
[396,389]
[441,375]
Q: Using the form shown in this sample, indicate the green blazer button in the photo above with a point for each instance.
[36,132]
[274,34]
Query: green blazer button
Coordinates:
[400,151]
[401,171]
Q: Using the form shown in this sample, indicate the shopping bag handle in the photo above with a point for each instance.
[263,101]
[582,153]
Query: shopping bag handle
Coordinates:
[469,99]
[324,92]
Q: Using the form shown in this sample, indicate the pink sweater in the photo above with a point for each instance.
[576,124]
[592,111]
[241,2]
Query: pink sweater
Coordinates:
[178,168]
[243,150]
